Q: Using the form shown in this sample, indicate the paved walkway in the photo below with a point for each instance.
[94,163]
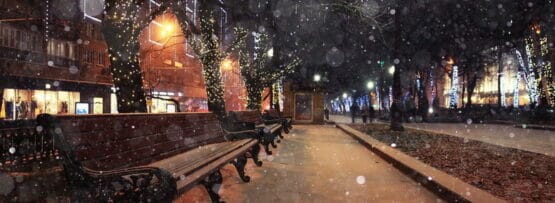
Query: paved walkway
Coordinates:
[318,163]
[539,141]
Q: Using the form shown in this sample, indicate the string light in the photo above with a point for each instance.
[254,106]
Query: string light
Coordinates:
[454,87]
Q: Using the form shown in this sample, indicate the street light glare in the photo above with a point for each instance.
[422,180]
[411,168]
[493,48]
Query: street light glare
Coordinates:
[317,78]
[168,28]
[271,52]
[226,64]
[391,70]
[344,95]
[370,85]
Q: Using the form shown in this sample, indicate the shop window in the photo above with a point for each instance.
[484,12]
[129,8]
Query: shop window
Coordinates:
[27,104]
[98,105]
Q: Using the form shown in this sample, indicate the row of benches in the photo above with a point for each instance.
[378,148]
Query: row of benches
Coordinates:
[152,157]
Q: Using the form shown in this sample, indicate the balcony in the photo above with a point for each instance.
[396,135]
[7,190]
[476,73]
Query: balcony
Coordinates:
[36,58]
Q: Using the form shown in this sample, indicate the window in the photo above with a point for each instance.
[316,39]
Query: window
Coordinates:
[90,56]
[33,44]
[17,39]
[100,58]
[5,35]
[71,50]
[24,43]
[12,39]
[89,30]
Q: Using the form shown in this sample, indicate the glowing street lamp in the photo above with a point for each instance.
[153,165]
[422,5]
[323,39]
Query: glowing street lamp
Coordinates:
[226,65]
[317,77]
[270,52]
[370,85]
[391,70]
[345,95]
[167,30]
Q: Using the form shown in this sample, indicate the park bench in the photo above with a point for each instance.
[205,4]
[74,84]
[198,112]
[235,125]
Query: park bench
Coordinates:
[286,121]
[268,130]
[24,148]
[146,157]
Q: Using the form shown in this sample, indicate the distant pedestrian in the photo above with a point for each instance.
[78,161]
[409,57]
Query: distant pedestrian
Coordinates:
[364,113]
[354,110]
[371,114]
[327,113]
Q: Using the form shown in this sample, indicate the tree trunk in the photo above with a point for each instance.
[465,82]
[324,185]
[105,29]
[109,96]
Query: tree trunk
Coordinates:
[211,60]
[396,110]
[396,117]
[471,87]
[254,97]
[122,37]
[422,99]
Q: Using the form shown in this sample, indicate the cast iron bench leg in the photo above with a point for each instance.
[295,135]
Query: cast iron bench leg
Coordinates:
[212,184]
[239,164]
[285,127]
[254,151]
[267,148]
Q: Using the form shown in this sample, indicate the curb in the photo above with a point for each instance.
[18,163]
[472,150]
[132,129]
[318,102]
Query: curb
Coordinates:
[442,184]
[535,127]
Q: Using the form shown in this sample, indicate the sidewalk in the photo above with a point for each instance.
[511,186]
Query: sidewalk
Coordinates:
[533,140]
[318,163]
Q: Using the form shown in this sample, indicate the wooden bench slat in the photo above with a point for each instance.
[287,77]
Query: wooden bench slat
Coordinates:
[188,181]
[183,164]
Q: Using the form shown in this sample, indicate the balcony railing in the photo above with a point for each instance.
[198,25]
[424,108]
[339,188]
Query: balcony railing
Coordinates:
[37,58]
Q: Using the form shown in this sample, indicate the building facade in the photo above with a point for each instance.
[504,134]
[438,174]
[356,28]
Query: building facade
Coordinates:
[51,62]
[53,59]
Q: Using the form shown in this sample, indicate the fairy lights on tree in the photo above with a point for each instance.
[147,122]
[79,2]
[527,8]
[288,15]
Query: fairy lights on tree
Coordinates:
[207,48]
[258,72]
[122,24]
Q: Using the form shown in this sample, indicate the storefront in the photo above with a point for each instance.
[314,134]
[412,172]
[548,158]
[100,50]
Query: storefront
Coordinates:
[25,98]
[162,103]
[27,103]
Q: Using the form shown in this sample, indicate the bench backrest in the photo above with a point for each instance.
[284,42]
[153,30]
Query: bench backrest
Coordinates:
[112,141]
[273,113]
[23,145]
[246,116]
